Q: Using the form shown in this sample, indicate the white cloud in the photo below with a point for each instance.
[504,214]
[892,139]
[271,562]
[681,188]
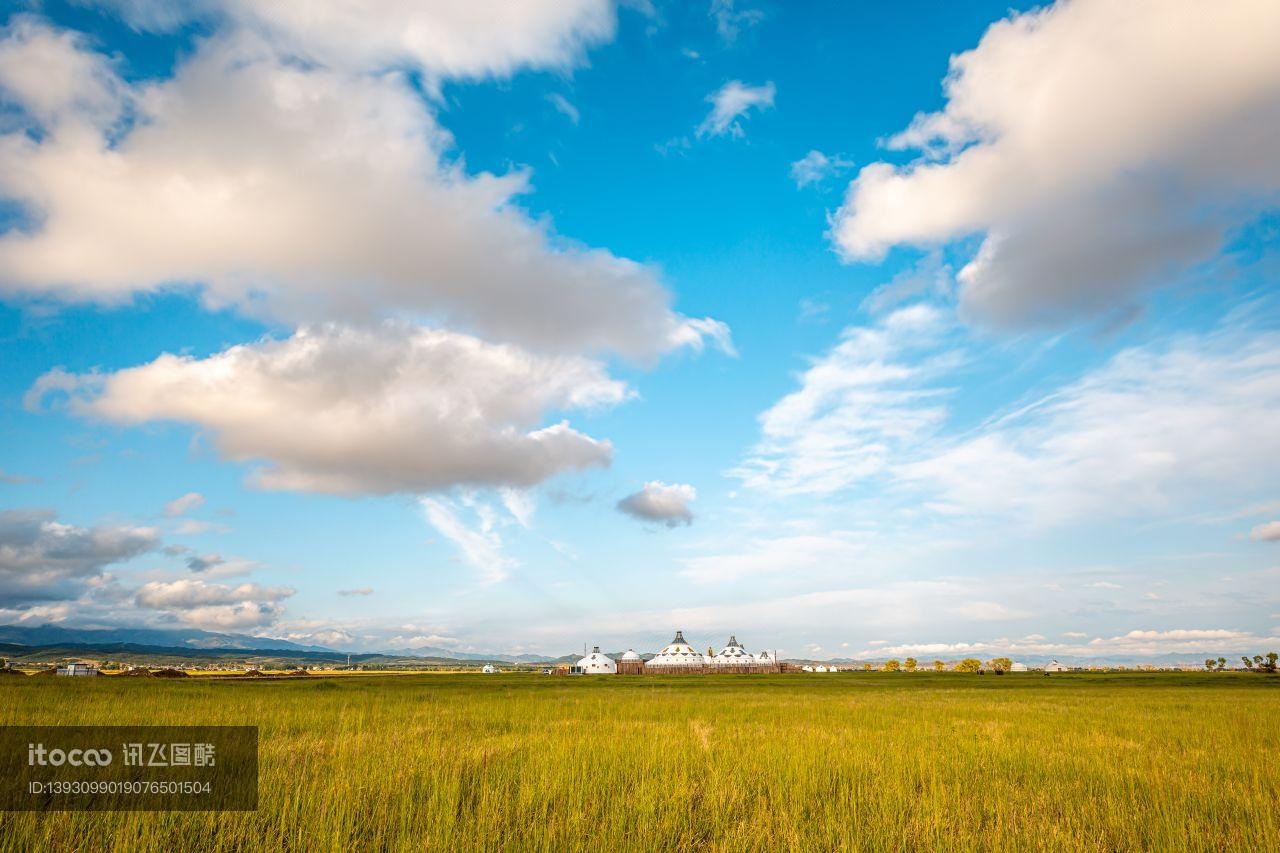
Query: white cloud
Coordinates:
[478,541]
[302,193]
[348,410]
[184,504]
[562,105]
[1185,424]
[1154,429]
[1074,634]
[731,102]
[1098,147]
[857,408]
[358,591]
[815,167]
[1269,532]
[44,559]
[444,38]
[1103,585]
[732,21]
[1134,644]
[214,606]
[660,502]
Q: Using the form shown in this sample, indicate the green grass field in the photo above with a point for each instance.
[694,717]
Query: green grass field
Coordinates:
[857,761]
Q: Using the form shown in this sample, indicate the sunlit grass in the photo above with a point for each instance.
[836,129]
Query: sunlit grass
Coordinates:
[863,761]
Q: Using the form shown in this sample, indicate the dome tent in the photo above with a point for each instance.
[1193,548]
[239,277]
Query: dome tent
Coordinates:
[733,655]
[677,655]
[630,655]
[597,663]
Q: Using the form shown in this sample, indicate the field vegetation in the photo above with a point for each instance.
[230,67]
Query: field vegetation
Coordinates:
[873,761]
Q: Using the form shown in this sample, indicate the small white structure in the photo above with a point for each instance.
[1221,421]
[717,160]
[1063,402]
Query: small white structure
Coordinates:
[765,659]
[807,668]
[631,656]
[819,668]
[597,663]
[733,655]
[1018,667]
[78,669]
[489,669]
[677,654]
[1054,666]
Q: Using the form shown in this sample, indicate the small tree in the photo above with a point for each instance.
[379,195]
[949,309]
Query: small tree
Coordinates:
[969,665]
[1248,664]
[1001,665]
[1222,664]
[1208,664]
[910,664]
[866,667]
[1270,665]
[939,666]
[892,665]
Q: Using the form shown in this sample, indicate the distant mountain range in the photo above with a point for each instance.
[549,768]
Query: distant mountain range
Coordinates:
[51,635]
[170,641]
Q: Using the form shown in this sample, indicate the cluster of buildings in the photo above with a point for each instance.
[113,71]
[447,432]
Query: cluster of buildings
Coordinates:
[676,658]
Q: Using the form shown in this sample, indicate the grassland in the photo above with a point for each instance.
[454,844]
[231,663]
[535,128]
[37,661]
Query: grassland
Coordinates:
[871,761]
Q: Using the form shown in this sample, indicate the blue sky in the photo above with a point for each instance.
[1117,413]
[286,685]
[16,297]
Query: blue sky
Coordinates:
[854,329]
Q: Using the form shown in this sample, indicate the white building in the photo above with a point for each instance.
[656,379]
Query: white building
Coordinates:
[1054,666]
[1018,667]
[677,654]
[631,656]
[733,655]
[597,663]
[489,668]
[765,659]
[78,669]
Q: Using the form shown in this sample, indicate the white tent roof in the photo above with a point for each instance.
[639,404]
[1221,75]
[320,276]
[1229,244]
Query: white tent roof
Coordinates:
[677,653]
[631,655]
[733,655]
[597,663]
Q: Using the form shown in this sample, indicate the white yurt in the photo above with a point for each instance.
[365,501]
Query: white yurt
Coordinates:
[676,655]
[597,663]
[489,669]
[1018,667]
[1054,666]
[631,656]
[733,655]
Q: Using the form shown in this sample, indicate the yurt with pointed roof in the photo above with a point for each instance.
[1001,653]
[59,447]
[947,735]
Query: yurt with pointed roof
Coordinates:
[732,657]
[630,663]
[597,663]
[677,657]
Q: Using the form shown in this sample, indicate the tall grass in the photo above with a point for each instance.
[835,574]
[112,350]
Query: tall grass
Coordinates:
[858,761]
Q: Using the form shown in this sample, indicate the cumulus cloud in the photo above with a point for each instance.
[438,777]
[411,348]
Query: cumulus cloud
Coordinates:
[42,558]
[816,167]
[444,38]
[1268,532]
[353,410]
[731,102]
[204,562]
[358,591]
[214,606]
[184,504]
[301,192]
[660,502]
[1097,147]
